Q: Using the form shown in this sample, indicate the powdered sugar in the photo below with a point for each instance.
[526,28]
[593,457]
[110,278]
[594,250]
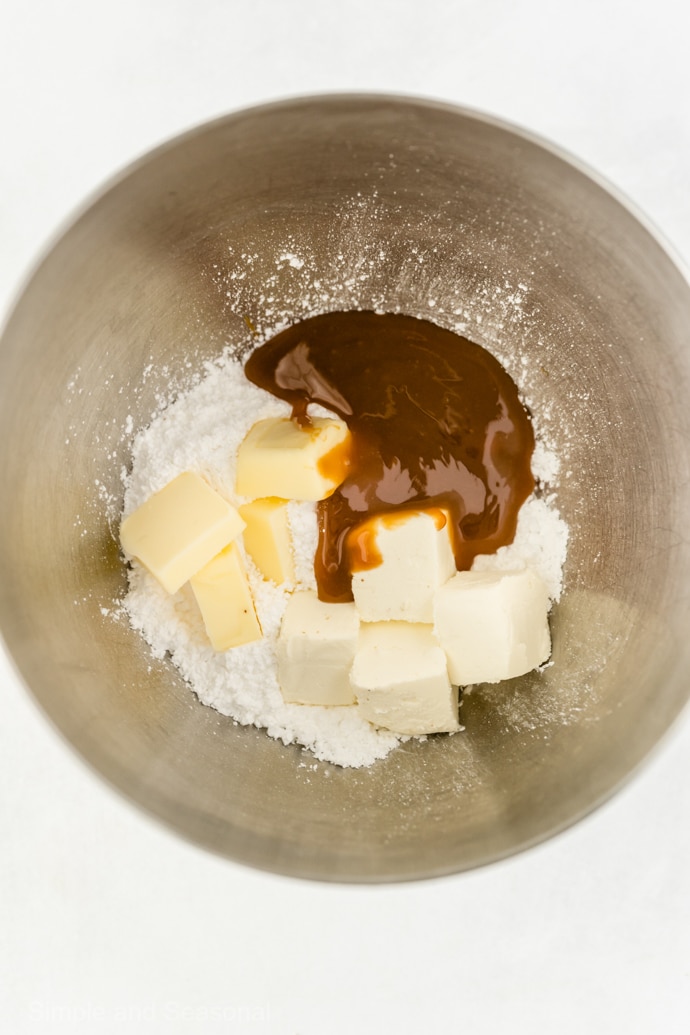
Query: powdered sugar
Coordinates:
[540,543]
[201,431]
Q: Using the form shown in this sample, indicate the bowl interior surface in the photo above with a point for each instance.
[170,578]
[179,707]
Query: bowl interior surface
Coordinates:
[319,204]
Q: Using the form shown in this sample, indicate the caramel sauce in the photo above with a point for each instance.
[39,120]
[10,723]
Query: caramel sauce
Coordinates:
[335,464]
[436,425]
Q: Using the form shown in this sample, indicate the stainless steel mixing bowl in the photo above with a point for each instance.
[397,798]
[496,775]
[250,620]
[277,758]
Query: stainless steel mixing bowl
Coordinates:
[343,202]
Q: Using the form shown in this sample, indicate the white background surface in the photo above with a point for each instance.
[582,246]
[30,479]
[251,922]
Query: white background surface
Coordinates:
[108,923]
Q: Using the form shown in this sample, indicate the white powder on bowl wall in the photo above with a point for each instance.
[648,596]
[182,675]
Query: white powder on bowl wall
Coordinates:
[201,430]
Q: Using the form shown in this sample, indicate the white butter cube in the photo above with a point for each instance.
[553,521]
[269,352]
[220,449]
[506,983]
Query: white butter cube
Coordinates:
[278,458]
[493,625]
[179,529]
[400,679]
[225,601]
[416,558]
[267,538]
[316,646]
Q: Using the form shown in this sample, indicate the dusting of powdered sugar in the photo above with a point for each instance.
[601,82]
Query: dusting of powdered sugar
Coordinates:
[540,543]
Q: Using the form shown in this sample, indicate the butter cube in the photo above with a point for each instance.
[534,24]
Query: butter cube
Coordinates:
[267,538]
[493,625]
[400,679]
[416,558]
[316,645]
[225,601]
[278,458]
[179,529]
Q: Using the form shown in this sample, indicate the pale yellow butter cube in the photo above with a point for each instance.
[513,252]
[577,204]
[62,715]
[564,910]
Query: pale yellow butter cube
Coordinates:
[267,538]
[279,458]
[179,529]
[316,647]
[225,601]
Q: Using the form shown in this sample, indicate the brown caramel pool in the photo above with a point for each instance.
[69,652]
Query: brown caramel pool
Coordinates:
[436,423]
